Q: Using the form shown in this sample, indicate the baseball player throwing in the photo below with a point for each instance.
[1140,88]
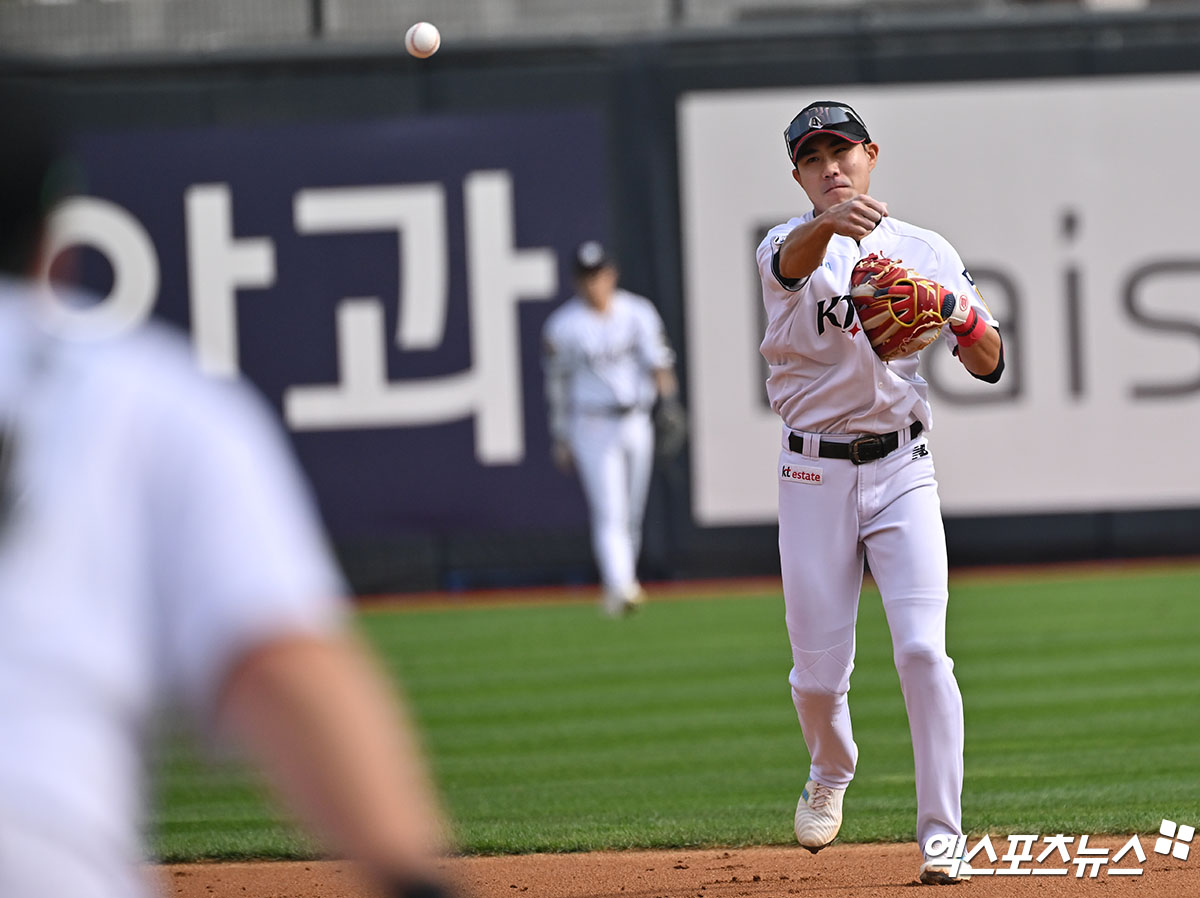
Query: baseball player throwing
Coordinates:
[856,477]
[607,362]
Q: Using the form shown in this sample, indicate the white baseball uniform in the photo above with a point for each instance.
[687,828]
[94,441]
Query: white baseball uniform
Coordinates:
[155,528]
[600,387]
[829,387]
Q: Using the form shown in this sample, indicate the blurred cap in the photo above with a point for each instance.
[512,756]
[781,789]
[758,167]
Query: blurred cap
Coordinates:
[28,153]
[824,117]
[591,256]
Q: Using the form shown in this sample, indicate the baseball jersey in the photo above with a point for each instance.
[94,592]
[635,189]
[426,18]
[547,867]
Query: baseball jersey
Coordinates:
[608,358]
[154,528]
[824,375]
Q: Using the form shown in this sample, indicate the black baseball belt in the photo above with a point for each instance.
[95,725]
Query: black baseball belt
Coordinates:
[614,411]
[864,449]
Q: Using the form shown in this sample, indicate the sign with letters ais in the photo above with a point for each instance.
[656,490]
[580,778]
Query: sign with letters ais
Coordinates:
[1099,315]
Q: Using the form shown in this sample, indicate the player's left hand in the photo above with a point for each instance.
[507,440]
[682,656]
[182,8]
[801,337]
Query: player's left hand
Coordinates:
[561,453]
[961,317]
[670,428]
[956,310]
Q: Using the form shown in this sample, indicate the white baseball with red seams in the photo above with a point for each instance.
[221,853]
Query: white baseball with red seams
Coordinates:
[422,40]
[827,383]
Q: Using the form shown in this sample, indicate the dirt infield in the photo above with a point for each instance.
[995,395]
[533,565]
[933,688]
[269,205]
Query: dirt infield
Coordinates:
[842,871]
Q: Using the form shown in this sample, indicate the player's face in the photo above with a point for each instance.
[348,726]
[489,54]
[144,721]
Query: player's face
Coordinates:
[832,170]
[598,287]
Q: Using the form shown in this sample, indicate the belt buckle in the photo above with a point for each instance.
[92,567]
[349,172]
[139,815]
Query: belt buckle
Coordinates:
[873,444]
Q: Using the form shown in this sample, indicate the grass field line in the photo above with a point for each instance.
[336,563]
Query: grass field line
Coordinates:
[549,728]
[737,587]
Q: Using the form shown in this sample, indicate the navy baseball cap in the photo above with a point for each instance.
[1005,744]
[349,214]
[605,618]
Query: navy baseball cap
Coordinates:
[591,256]
[824,117]
[28,156]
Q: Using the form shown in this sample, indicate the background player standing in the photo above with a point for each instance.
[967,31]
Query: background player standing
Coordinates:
[856,477]
[607,362]
[158,545]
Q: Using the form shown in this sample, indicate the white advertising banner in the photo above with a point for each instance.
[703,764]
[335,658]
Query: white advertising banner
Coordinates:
[1076,206]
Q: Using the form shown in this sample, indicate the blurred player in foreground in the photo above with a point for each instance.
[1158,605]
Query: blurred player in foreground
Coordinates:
[157,543]
[607,364]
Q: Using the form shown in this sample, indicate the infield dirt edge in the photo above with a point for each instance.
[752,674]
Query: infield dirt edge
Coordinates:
[872,870]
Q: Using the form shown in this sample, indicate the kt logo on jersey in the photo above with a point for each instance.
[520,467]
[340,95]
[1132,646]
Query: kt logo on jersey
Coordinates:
[836,312]
[802,474]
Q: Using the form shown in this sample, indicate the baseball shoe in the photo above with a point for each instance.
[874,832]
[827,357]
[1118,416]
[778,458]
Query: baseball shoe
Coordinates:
[818,815]
[622,604]
[941,872]
[636,599]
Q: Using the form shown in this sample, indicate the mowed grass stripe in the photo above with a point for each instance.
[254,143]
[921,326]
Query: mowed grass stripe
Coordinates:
[552,728]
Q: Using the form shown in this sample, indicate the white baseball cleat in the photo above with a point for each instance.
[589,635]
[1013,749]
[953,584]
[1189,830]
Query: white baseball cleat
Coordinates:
[621,604]
[941,872]
[818,815]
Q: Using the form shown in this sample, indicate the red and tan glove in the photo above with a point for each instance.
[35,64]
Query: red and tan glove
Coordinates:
[902,312]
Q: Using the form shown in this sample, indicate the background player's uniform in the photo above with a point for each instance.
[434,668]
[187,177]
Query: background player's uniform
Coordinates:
[601,390]
[829,387]
[155,529]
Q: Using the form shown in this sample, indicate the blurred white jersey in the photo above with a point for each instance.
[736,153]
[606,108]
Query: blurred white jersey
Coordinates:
[153,528]
[600,388]
[824,375]
[608,358]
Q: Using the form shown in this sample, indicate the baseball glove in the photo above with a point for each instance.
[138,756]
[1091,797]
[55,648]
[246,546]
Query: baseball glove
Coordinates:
[901,312]
[670,428]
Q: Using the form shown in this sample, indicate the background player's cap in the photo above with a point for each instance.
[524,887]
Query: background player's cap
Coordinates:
[824,117]
[591,256]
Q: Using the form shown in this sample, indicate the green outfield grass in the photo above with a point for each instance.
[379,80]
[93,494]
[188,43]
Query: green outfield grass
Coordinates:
[551,728]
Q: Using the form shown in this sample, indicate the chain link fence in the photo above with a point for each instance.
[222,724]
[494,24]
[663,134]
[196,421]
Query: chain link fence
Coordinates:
[74,28]
[105,27]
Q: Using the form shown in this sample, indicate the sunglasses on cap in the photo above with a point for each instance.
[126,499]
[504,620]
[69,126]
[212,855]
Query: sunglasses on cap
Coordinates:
[824,118]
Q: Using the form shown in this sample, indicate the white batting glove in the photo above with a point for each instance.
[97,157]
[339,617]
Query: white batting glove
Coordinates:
[957,311]
[963,320]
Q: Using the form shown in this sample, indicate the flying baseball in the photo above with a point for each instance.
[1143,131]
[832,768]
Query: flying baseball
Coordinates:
[423,40]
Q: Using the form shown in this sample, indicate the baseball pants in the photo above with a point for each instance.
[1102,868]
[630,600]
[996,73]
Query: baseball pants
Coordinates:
[832,515]
[614,454]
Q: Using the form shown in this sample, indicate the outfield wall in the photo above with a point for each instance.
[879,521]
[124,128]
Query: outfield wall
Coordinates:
[376,242]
